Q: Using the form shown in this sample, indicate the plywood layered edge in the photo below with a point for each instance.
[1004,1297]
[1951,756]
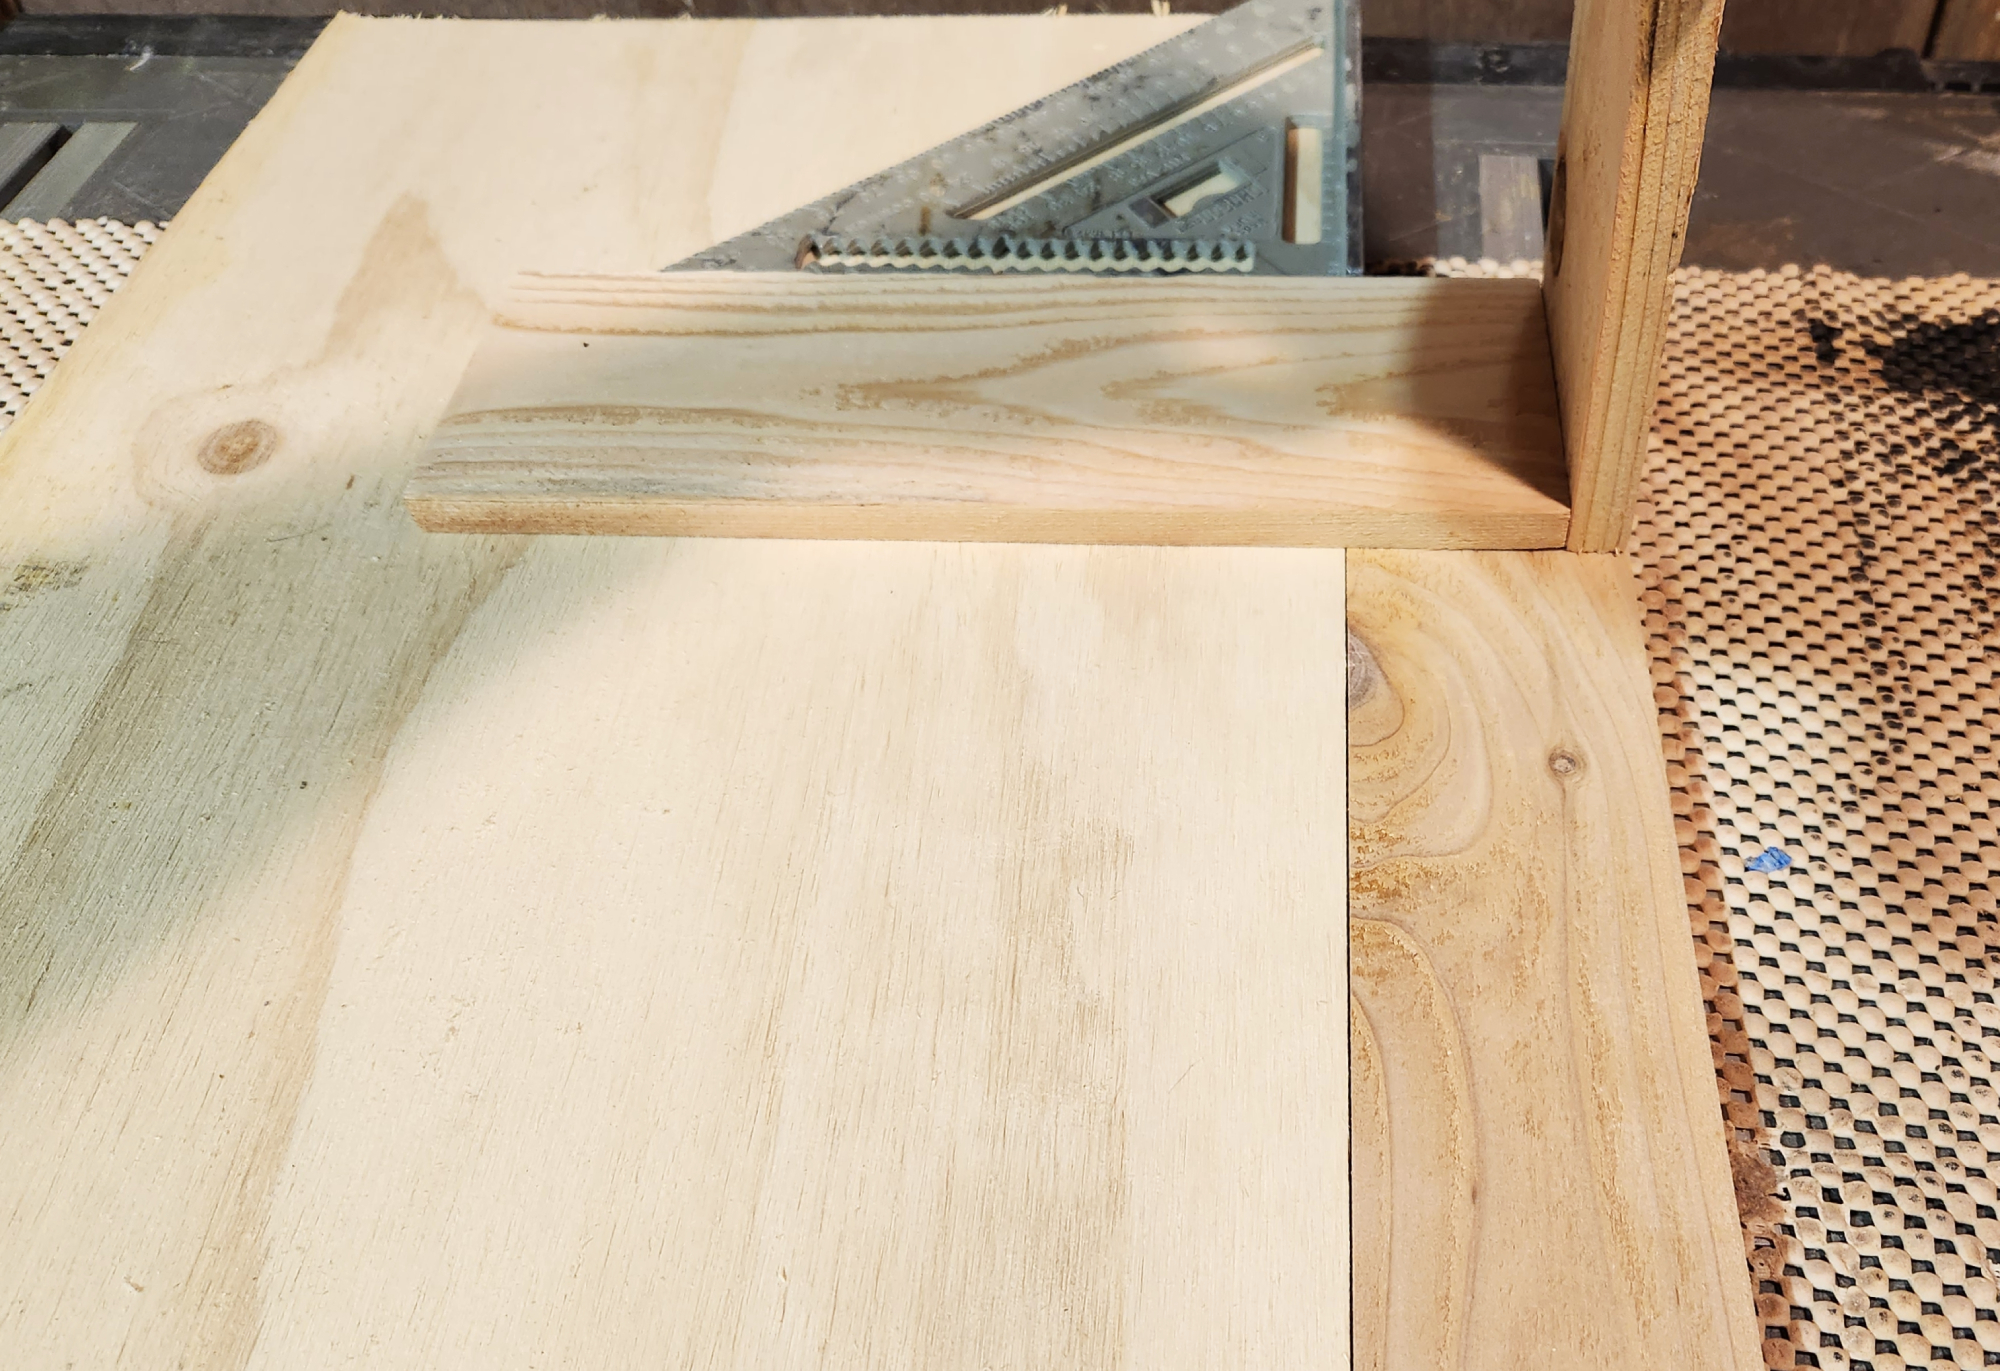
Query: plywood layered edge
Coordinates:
[1634,112]
[1253,411]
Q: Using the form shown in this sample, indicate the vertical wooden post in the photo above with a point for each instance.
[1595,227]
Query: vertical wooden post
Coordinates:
[1633,117]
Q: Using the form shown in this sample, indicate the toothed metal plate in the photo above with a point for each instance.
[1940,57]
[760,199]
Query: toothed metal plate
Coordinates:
[1106,157]
[1102,256]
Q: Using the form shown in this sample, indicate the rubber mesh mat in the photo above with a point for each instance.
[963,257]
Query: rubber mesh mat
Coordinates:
[54,277]
[1820,551]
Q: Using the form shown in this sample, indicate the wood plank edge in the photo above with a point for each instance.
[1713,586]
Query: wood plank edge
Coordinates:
[973,523]
[1612,585]
[1651,221]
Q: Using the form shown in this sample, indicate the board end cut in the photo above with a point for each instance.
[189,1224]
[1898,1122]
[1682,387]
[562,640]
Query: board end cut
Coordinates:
[1337,412]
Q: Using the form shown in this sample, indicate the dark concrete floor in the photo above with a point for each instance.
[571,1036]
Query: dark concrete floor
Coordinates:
[1877,184]
[188,111]
[1880,185]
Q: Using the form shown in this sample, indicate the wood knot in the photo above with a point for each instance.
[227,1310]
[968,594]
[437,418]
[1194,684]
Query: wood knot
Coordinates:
[1565,763]
[236,448]
[1364,674]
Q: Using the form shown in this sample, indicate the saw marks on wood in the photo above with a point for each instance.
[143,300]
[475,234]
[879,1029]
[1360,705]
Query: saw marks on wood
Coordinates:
[1317,412]
[1539,1178]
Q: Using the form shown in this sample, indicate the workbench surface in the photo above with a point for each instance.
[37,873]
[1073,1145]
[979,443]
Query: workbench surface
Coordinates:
[446,951]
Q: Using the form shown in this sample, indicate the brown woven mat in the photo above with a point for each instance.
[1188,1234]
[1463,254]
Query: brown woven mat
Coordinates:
[1816,550]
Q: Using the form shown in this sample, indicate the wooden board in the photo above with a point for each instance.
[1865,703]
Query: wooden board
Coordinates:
[492,952]
[1968,31]
[1633,116]
[1510,208]
[1540,1175]
[1827,28]
[1402,413]
[907,997]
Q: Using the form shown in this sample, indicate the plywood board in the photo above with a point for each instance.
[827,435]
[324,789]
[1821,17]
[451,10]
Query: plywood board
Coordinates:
[1403,413]
[1540,1175]
[475,952]
[1634,111]
[906,996]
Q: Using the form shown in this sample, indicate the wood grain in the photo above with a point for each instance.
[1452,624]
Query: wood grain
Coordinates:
[1828,28]
[493,952]
[1408,412]
[1968,31]
[1540,1175]
[1634,112]
[912,998]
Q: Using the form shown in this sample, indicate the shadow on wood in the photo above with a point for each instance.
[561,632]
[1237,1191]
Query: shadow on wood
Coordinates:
[1263,411]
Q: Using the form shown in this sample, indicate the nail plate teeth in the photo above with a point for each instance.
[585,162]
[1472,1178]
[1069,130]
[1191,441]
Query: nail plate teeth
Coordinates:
[1007,253]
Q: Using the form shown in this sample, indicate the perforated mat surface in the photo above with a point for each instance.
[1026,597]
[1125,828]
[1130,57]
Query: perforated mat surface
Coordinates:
[54,277]
[1818,552]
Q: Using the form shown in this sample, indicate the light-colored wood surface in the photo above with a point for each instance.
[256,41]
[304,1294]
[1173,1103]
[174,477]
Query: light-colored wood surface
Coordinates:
[954,977]
[1345,412]
[494,952]
[1540,1175]
[1968,31]
[1634,111]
